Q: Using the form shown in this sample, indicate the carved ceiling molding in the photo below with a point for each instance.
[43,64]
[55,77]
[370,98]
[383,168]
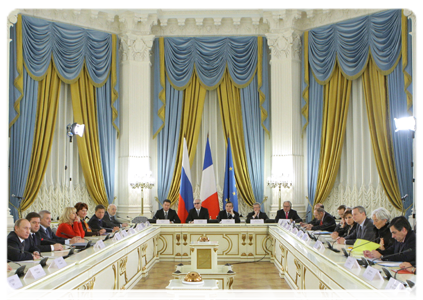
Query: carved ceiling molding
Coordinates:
[11,18]
[196,22]
[414,15]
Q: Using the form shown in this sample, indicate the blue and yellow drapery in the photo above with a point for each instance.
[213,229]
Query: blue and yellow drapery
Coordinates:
[371,46]
[181,63]
[42,54]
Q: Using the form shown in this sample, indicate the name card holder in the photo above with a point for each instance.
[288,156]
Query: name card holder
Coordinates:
[131,231]
[294,230]
[163,221]
[99,245]
[57,263]
[140,227]
[228,221]
[117,237]
[35,272]
[372,274]
[124,233]
[300,234]
[256,221]
[318,245]
[305,237]
[147,224]
[283,222]
[200,221]
[351,263]
[14,282]
[394,284]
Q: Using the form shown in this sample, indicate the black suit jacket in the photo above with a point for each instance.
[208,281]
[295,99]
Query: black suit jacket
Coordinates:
[386,234]
[15,249]
[328,223]
[261,215]
[292,214]
[36,242]
[51,236]
[111,221]
[367,233]
[171,215]
[397,247]
[192,214]
[96,223]
[223,215]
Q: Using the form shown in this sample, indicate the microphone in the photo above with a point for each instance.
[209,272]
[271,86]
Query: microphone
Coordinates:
[71,252]
[393,254]
[19,271]
[396,271]
[127,218]
[48,241]
[346,254]
[330,247]
[68,235]
[23,251]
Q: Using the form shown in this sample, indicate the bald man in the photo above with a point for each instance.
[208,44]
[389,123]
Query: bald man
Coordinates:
[18,248]
[110,217]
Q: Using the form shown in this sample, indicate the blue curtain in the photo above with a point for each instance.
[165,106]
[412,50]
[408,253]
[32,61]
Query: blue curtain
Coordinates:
[21,138]
[265,85]
[402,140]
[314,135]
[253,137]
[350,42]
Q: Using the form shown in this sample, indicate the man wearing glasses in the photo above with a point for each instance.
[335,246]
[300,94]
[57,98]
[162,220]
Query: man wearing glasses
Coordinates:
[197,212]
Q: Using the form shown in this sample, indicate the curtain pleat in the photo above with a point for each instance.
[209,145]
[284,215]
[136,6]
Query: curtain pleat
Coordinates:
[337,94]
[48,102]
[231,112]
[85,112]
[194,96]
[375,90]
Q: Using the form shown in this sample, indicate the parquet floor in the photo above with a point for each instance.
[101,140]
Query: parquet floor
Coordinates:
[259,275]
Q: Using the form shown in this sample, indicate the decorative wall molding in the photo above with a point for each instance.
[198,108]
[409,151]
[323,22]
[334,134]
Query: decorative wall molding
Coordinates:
[285,45]
[367,196]
[134,47]
[414,15]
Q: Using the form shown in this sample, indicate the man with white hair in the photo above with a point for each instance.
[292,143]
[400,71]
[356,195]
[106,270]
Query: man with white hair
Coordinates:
[110,217]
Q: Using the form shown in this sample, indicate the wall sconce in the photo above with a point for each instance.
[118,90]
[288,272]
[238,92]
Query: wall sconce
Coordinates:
[280,181]
[146,182]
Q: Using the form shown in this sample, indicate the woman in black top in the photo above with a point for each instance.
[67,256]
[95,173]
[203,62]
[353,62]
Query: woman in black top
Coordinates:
[81,211]
[381,218]
[348,225]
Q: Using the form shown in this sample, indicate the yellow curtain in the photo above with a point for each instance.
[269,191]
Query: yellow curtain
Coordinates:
[336,100]
[377,104]
[47,104]
[85,112]
[231,112]
[194,97]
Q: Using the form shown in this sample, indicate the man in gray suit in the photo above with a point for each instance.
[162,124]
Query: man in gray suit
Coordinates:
[365,229]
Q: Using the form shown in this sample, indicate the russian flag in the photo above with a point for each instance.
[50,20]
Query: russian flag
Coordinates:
[208,193]
[186,197]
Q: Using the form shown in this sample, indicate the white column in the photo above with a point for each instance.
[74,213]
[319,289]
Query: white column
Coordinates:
[11,18]
[287,143]
[135,112]
[414,15]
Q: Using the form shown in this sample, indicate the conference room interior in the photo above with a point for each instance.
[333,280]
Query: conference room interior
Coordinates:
[282,112]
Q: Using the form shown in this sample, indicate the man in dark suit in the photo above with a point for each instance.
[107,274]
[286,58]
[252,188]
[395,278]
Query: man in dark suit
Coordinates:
[96,221]
[365,229]
[287,213]
[228,213]
[405,238]
[256,214]
[47,234]
[110,217]
[325,221]
[35,236]
[166,213]
[17,247]
[314,221]
[197,212]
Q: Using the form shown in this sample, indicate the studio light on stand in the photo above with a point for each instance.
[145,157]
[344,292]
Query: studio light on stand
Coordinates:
[71,130]
[75,129]
[405,124]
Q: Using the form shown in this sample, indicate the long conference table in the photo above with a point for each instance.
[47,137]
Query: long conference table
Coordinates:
[121,264]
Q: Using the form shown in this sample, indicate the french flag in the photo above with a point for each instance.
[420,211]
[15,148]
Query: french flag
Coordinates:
[208,193]
[186,197]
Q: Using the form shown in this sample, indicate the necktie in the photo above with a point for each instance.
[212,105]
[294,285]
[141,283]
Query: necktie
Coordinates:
[198,213]
[321,222]
[228,215]
[48,233]
[87,227]
[165,214]
[359,231]
[23,247]
[286,215]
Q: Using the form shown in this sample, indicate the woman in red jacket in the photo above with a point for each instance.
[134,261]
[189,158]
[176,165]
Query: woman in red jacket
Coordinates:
[70,224]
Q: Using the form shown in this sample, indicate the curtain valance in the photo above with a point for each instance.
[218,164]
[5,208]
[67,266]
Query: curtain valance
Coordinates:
[349,42]
[70,47]
[209,57]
